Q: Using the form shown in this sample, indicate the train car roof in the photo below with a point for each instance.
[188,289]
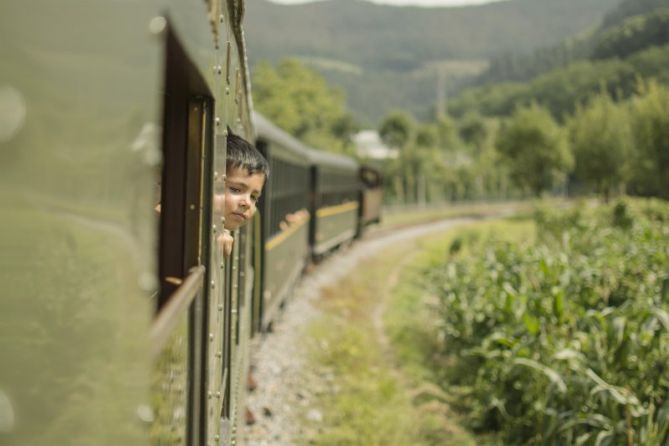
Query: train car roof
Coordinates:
[322,158]
[373,168]
[265,129]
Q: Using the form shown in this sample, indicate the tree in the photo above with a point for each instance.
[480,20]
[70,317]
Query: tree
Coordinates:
[397,130]
[473,131]
[634,34]
[535,149]
[447,133]
[601,141]
[300,101]
[650,129]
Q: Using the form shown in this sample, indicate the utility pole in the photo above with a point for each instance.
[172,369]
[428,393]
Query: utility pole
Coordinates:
[441,92]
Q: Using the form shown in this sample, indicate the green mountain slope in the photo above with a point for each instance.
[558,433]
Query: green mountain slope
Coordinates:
[630,27]
[629,8]
[375,50]
[613,58]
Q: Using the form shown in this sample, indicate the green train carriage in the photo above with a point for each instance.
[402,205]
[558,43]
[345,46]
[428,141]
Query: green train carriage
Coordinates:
[117,323]
[335,186]
[284,212]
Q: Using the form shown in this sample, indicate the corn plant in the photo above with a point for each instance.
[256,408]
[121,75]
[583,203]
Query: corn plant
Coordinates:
[564,339]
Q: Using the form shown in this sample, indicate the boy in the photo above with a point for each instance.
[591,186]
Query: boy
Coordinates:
[246,172]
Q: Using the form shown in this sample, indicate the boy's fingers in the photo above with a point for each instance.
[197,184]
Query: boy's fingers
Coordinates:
[225,242]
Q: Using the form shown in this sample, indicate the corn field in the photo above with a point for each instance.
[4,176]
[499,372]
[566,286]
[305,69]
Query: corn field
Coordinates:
[562,339]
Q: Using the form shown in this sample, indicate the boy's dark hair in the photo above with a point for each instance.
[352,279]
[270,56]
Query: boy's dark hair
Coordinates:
[242,154]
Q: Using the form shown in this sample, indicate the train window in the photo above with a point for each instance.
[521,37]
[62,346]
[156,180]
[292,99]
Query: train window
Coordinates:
[185,143]
[286,196]
[178,335]
[370,178]
[337,187]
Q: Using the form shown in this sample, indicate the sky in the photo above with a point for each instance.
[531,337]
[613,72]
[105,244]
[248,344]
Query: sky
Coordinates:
[408,2]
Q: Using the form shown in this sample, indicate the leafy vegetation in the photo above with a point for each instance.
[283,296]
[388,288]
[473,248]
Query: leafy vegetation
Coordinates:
[594,125]
[299,100]
[632,44]
[634,34]
[650,126]
[563,89]
[536,148]
[630,8]
[562,337]
[606,146]
[634,25]
[602,143]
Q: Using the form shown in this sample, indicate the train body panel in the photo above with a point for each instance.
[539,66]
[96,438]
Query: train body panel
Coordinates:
[123,322]
[371,203]
[335,187]
[80,94]
[334,225]
[205,95]
[284,264]
[371,197]
[314,203]
[82,90]
[284,213]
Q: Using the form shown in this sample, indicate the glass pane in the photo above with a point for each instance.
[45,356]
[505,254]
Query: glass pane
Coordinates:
[169,385]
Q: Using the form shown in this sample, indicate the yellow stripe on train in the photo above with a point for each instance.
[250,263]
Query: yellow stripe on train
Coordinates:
[332,210]
[283,236]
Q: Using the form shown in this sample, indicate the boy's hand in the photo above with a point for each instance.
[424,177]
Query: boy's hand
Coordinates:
[225,242]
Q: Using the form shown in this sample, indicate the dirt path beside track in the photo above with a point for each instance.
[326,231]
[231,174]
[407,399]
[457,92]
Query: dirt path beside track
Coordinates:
[286,388]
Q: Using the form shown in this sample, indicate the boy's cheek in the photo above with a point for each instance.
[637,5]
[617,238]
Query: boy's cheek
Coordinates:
[219,202]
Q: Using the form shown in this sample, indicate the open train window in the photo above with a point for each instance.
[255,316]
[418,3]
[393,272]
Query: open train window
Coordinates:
[370,178]
[183,253]
[186,145]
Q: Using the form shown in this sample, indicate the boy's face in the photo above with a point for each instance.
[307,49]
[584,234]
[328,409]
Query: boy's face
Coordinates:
[242,191]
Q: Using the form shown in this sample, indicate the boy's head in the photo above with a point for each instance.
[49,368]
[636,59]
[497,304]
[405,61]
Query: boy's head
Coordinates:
[242,154]
[246,173]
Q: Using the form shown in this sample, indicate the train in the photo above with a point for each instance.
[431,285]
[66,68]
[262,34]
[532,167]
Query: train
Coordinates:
[120,324]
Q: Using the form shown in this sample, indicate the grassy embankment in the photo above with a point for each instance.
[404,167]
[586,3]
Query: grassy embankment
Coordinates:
[383,388]
[394,217]
[551,331]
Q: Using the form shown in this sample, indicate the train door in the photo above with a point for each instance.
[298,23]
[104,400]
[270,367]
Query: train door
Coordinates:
[203,320]
[180,337]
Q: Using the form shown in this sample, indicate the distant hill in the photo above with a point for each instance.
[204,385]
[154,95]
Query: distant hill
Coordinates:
[613,58]
[385,56]
[629,8]
[631,26]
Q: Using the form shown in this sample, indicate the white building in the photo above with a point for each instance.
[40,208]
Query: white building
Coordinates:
[368,144]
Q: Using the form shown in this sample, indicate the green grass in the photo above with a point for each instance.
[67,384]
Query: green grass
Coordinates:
[369,404]
[411,323]
[409,215]
[381,395]
[405,388]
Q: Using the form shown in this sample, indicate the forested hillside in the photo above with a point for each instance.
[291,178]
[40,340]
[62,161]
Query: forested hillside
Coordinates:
[630,27]
[386,57]
[612,59]
[597,124]
[629,8]
[404,38]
